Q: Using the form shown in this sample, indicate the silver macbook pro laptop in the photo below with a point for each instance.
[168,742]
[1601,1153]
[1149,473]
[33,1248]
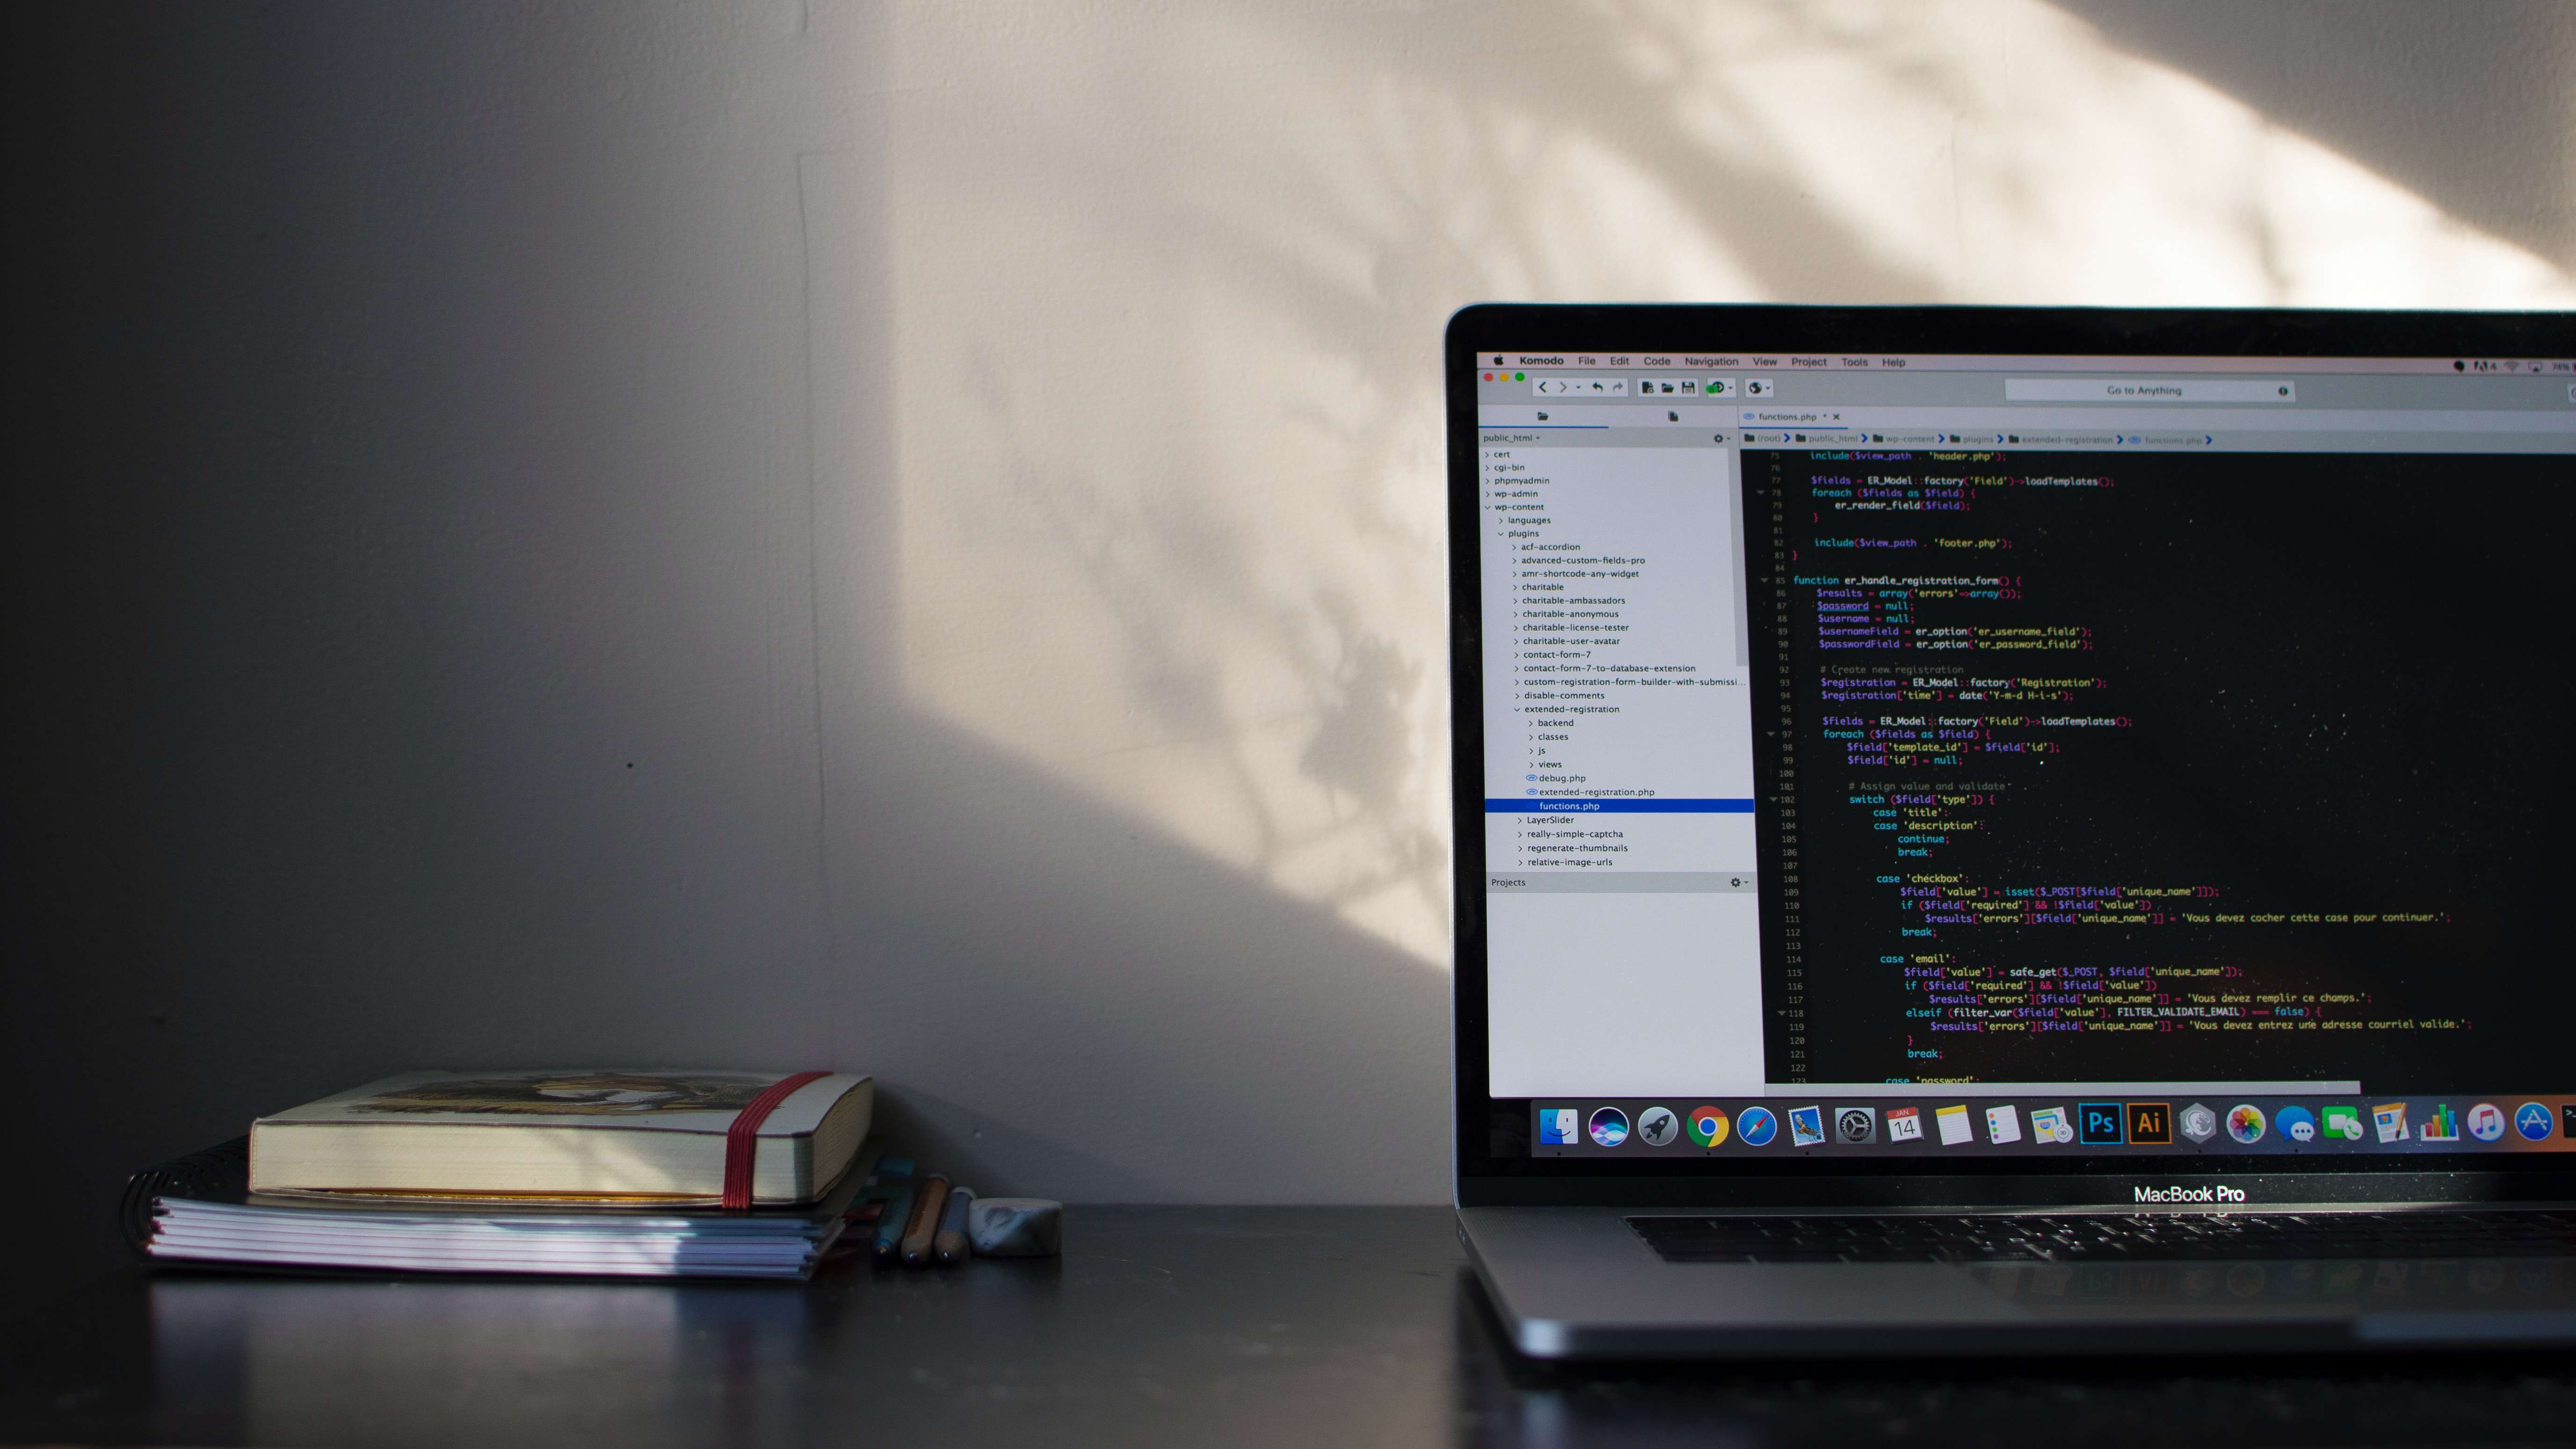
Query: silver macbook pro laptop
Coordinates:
[2001,831]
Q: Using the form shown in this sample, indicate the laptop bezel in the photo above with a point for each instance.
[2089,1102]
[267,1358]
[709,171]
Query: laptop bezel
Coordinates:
[1483,1177]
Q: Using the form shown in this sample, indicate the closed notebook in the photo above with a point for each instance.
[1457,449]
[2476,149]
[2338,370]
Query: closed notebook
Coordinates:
[197,1212]
[655,1135]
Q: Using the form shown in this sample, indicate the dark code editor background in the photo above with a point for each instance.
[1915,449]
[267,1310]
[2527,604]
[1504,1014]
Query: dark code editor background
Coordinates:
[2164,767]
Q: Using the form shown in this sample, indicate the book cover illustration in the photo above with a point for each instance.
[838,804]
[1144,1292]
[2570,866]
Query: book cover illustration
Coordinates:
[663,1100]
[583,1094]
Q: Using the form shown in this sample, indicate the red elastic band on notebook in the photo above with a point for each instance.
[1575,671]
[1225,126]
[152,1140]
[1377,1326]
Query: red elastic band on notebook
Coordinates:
[742,1139]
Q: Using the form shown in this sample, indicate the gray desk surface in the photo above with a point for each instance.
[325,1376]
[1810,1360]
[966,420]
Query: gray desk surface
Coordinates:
[1198,1326]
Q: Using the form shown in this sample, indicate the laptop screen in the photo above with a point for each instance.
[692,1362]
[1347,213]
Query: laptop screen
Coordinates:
[1909,754]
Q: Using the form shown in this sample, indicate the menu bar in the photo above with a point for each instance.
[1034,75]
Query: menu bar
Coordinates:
[1495,363]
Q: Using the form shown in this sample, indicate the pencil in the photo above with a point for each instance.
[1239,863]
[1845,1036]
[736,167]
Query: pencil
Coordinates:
[949,1244]
[925,1220]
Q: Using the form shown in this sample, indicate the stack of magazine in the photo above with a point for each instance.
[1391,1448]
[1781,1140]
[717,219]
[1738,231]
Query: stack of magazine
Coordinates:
[619,1173]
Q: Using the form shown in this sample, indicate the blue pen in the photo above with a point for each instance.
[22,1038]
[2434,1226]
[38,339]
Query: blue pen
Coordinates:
[898,1206]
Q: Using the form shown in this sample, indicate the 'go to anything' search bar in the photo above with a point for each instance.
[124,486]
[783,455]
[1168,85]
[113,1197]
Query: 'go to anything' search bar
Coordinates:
[2149,390]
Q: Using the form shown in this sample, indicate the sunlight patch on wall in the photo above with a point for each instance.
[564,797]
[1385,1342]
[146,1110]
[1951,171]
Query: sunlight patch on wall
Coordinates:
[2004,152]
[1169,281]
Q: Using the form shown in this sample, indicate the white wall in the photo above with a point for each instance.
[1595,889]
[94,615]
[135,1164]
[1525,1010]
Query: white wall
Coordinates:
[906,536]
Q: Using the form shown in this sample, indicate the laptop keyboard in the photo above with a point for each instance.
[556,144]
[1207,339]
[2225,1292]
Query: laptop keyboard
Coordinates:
[2081,1238]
